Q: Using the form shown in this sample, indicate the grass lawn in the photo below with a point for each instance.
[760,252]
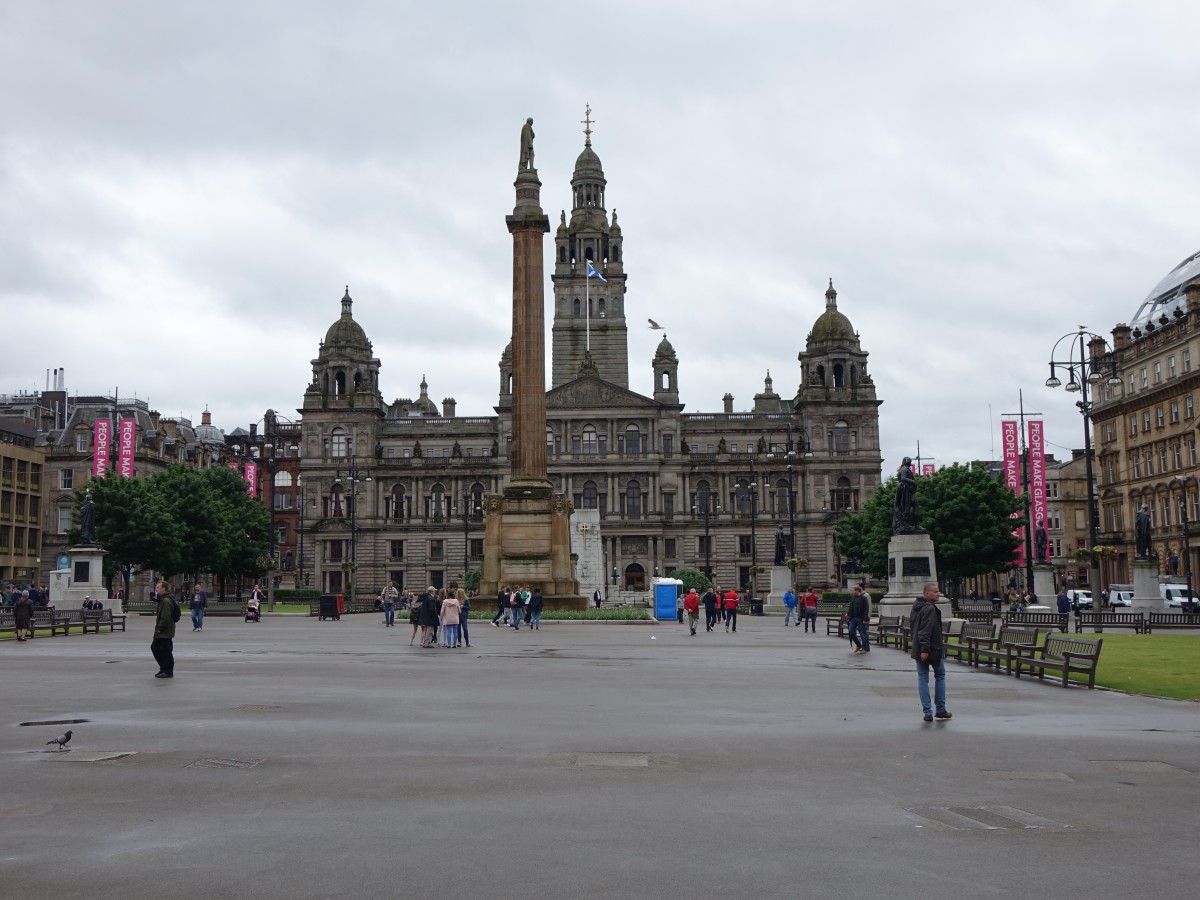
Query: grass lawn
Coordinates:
[1159,665]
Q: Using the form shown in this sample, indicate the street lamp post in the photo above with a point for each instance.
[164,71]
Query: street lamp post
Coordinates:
[704,506]
[1187,537]
[468,509]
[793,449]
[356,477]
[753,532]
[1085,370]
[303,498]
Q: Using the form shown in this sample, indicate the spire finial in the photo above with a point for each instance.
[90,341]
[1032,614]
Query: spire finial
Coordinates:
[830,295]
[587,121]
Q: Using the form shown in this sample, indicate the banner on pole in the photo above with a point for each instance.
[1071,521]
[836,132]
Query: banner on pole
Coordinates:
[1037,472]
[102,440]
[926,469]
[126,439]
[1012,477]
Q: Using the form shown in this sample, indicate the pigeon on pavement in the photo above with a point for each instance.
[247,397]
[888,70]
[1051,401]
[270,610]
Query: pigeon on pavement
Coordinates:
[61,740]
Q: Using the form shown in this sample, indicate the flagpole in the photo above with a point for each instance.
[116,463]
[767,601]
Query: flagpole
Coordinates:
[587,314]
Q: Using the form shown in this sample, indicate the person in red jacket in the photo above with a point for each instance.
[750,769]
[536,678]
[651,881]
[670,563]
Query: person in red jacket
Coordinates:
[731,606]
[691,605]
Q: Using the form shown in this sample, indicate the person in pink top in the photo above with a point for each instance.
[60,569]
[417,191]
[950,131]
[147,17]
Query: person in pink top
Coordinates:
[808,609]
[451,618]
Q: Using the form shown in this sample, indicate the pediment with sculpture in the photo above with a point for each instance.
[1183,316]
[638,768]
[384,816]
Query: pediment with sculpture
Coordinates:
[590,392]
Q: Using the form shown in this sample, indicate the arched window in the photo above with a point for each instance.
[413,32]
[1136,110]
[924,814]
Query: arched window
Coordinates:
[600,307]
[578,307]
[741,497]
[703,499]
[283,479]
[841,437]
[633,439]
[843,495]
[633,500]
[590,443]
[591,496]
[839,375]
[635,577]
[783,497]
[339,385]
[435,503]
[337,497]
[477,501]
[396,505]
[562,254]
[339,443]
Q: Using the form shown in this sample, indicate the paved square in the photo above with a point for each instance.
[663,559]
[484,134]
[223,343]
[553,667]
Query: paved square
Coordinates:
[297,758]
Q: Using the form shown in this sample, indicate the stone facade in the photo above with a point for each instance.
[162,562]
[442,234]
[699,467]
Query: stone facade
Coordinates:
[397,490]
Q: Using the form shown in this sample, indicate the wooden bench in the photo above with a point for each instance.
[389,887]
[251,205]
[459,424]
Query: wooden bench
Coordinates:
[94,619]
[1063,654]
[1049,619]
[1100,620]
[959,646]
[976,615]
[884,630]
[1168,620]
[994,650]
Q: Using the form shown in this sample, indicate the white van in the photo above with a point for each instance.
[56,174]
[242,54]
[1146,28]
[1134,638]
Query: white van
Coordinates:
[1175,595]
[1120,597]
[1080,599]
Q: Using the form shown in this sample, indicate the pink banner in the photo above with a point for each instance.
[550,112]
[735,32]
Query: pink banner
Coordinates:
[1012,477]
[926,468]
[103,442]
[252,479]
[1037,472]
[126,438]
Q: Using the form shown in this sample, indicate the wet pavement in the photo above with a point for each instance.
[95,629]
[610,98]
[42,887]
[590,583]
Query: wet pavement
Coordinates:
[297,758]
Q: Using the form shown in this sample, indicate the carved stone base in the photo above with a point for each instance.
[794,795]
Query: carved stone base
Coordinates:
[85,578]
[911,565]
[1145,585]
[527,541]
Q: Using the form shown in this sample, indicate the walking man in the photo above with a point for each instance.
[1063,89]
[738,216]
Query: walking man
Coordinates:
[731,607]
[808,610]
[598,598]
[163,645]
[1064,609]
[859,613]
[691,605]
[501,606]
[928,651]
[789,602]
[710,609]
[388,595]
[198,604]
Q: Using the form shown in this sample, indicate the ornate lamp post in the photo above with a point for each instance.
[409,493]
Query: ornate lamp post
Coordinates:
[796,448]
[356,476]
[303,498]
[469,508]
[753,531]
[705,507]
[1084,370]
[1187,537]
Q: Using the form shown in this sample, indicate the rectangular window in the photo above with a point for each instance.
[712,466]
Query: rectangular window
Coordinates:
[429,453]
[1177,451]
[1145,377]
[745,543]
[710,450]
[1137,465]
[1187,360]
[445,453]
[668,444]
[668,506]
[733,448]
[66,479]
[406,453]
[669,548]
[1162,459]
[1158,373]
[1159,417]
[1133,425]
[390,453]
[1174,412]
[437,549]
[1170,366]
[81,442]
[1055,547]
[1054,520]
[1187,407]
[1108,431]
[1191,451]
[1052,490]
[704,545]
[1149,463]
[1130,382]
[64,520]
[395,550]
[1146,421]
[476,548]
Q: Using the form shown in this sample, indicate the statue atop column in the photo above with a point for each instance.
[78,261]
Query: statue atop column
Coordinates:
[526,161]
[1142,536]
[780,550]
[904,516]
[1041,543]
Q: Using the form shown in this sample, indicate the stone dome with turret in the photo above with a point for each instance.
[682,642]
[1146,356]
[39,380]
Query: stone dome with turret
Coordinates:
[832,326]
[345,332]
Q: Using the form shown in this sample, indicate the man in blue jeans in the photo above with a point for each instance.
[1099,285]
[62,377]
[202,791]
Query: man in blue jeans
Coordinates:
[929,652]
[859,614]
[198,604]
[789,602]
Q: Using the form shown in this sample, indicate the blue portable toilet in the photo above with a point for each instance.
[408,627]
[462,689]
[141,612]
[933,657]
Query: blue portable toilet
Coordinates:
[666,591]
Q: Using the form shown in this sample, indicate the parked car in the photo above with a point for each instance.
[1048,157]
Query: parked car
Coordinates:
[1080,599]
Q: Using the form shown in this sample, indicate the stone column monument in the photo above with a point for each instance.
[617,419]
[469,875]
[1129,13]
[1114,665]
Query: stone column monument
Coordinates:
[527,538]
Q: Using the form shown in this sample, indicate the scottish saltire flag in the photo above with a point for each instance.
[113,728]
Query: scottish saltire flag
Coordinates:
[592,273]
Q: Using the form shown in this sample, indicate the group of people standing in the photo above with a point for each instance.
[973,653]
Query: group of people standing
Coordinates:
[718,607]
[440,615]
[519,604]
[802,607]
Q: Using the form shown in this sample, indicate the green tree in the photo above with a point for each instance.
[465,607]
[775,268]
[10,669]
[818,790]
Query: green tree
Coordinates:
[471,579]
[692,579]
[133,526]
[966,511]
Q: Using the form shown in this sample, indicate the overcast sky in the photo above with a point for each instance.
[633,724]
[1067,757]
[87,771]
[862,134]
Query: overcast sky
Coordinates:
[186,190]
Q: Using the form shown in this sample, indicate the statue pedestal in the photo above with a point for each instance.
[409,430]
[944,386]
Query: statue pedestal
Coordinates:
[1145,585]
[1043,583]
[911,565]
[84,578]
[527,540]
[781,580]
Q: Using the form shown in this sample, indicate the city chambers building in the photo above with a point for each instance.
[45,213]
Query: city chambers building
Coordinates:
[395,490]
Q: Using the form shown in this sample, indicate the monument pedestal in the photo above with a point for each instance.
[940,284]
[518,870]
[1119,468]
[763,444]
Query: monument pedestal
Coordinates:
[911,565]
[1145,585]
[781,580]
[1043,583]
[527,541]
[84,578]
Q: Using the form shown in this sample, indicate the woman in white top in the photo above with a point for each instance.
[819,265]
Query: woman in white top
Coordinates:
[450,619]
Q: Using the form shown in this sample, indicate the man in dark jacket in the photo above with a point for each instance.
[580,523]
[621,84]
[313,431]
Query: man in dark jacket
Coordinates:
[428,617]
[163,645]
[710,609]
[501,606]
[858,615]
[928,650]
[1064,609]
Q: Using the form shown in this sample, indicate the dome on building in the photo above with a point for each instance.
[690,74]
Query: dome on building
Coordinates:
[588,163]
[832,325]
[665,348]
[1168,293]
[345,332]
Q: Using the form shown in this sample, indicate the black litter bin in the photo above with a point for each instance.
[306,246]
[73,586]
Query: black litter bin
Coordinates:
[329,608]
[756,606]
